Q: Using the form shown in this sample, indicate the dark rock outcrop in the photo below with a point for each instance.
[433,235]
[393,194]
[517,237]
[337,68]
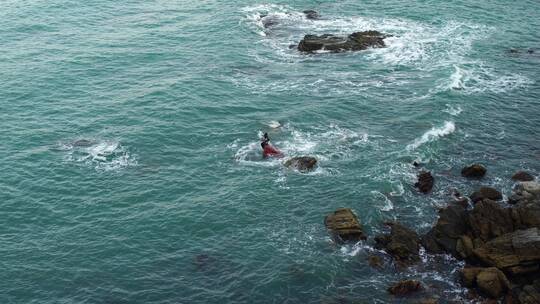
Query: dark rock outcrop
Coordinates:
[301,163]
[425,182]
[401,243]
[522,176]
[530,294]
[344,226]
[406,287]
[451,225]
[474,171]
[311,14]
[517,252]
[486,193]
[489,220]
[354,42]
[375,261]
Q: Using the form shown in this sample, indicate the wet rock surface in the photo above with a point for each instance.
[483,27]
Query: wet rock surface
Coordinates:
[404,288]
[425,182]
[311,14]
[401,243]
[344,226]
[354,42]
[522,176]
[302,163]
[474,171]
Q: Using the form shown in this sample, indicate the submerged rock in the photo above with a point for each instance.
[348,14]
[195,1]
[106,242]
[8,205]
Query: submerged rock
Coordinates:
[425,182]
[406,287]
[375,261]
[486,193]
[354,42]
[401,243]
[83,143]
[344,226]
[474,171]
[311,14]
[522,176]
[301,163]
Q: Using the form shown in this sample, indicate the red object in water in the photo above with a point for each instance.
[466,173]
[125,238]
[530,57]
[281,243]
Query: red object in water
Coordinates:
[270,151]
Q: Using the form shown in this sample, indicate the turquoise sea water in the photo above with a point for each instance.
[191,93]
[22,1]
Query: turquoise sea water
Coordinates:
[130,167]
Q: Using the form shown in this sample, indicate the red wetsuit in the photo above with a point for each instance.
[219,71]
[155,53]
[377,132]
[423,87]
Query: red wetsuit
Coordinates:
[270,151]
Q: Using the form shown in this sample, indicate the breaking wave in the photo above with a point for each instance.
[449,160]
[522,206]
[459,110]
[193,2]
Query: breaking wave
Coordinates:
[103,155]
[433,134]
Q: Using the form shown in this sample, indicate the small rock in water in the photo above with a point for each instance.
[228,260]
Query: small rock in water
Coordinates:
[486,193]
[354,42]
[302,163]
[406,287]
[425,182]
[474,171]
[311,14]
[401,243]
[522,176]
[344,226]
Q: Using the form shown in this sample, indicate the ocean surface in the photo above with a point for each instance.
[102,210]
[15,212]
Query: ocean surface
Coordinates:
[131,170]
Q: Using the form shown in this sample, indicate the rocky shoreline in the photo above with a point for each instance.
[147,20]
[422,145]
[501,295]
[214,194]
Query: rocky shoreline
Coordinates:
[499,241]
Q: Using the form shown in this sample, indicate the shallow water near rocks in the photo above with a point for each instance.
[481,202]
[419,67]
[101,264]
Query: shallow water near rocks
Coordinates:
[131,168]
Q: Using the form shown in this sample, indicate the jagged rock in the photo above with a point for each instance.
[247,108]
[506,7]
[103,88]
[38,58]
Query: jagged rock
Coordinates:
[489,220]
[464,246]
[354,42]
[344,226]
[468,276]
[402,243]
[425,182]
[515,251]
[451,225]
[530,294]
[522,176]
[492,282]
[311,14]
[375,261]
[525,192]
[302,163]
[474,171]
[406,287]
[486,193]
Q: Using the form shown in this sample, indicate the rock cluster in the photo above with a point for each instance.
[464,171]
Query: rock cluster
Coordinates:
[301,163]
[499,243]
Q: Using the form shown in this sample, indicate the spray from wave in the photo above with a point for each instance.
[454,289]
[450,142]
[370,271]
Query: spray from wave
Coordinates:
[433,134]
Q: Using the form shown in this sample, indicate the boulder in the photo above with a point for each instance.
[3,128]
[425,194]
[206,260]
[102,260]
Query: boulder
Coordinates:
[516,252]
[522,176]
[468,276]
[489,220]
[464,246]
[354,42]
[344,226]
[451,225]
[405,287]
[311,14]
[474,171]
[530,294]
[486,193]
[301,163]
[401,243]
[425,182]
[492,282]
[525,192]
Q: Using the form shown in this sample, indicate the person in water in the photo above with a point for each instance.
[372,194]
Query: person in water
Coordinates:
[268,149]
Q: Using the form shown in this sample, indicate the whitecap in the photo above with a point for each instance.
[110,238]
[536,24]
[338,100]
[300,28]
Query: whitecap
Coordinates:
[103,155]
[433,134]
[453,110]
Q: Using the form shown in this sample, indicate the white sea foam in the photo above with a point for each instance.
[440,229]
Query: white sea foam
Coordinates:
[433,134]
[103,155]
[453,110]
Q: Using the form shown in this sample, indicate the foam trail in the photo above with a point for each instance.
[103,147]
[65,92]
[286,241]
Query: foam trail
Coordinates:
[448,128]
[458,78]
